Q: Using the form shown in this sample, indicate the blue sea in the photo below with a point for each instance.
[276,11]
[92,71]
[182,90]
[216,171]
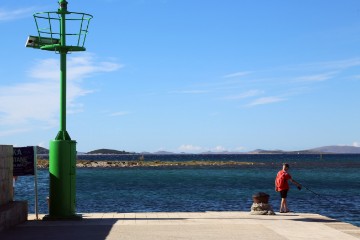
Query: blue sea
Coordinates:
[331,185]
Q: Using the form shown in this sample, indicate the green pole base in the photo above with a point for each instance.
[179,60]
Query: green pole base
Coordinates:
[62,135]
[62,170]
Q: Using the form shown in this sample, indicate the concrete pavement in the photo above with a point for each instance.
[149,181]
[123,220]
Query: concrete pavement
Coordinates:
[186,225]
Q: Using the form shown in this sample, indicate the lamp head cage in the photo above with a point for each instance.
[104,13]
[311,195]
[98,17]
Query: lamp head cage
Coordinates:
[52,37]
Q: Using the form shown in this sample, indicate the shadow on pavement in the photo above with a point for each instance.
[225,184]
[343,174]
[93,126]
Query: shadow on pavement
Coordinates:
[90,229]
[316,220]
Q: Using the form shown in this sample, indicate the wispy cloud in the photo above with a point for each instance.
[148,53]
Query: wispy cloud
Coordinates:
[356,144]
[237,74]
[13,131]
[334,65]
[37,100]
[9,15]
[323,66]
[288,81]
[355,77]
[317,77]
[115,114]
[250,93]
[195,91]
[265,100]
[27,102]
[78,67]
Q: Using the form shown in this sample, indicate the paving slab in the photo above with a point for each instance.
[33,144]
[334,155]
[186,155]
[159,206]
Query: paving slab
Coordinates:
[185,225]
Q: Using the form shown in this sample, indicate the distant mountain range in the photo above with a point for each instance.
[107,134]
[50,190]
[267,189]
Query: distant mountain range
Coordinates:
[319,150]
[337,149]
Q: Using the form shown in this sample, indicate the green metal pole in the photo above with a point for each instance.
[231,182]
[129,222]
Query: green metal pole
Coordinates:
[62,165]
[63,135]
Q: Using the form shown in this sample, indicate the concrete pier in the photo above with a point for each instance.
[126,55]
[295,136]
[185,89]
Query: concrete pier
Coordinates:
[186,225]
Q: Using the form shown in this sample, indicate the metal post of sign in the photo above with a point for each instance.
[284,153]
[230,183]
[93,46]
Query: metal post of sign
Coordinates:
[36,184]
[62,156]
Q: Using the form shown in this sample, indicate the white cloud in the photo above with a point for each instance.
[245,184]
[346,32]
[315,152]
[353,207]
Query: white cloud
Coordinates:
[237,74]
[189,148]
[37,100]
[118,114]
[239,149]
[78,67]
[317,77]
[219,149]
[191,91]
[42,144]
[250,93]
[13,131]
[46,69]
[338,65]
[357,77]
[25,102]
[8,15]
[265,100]
[356,144]
[287,80]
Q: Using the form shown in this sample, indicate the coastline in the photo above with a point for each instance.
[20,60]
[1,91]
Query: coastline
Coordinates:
[43,163]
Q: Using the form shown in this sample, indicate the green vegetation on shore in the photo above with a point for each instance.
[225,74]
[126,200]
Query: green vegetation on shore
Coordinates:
[106,164]
[108,151]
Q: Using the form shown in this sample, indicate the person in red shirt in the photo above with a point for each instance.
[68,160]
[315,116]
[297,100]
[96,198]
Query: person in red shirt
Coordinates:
[282,186]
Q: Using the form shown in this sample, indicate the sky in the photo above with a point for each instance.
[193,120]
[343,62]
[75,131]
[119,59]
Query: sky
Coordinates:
[187,76]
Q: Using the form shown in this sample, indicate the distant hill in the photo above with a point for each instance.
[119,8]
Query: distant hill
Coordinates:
[108,151]
[145,153]
[326,149]
[223,152]
[337,149]
[163,153]
[41,150]
[262,151]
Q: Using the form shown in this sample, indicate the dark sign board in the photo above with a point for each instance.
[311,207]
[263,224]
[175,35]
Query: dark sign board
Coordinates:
[24,161]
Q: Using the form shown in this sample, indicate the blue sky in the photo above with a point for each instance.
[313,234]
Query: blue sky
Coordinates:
[188,76]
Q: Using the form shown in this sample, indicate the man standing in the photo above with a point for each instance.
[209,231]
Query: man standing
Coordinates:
[282,186]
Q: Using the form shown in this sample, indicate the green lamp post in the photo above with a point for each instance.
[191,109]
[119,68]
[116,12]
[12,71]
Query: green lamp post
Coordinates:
[53,36]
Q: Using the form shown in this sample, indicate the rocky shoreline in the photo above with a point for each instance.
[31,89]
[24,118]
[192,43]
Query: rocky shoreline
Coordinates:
[120,164]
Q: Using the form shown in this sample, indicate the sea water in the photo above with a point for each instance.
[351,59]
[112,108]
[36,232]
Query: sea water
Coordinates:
[331,185]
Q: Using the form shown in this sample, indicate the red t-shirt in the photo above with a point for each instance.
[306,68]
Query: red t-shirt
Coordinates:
[282,185]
